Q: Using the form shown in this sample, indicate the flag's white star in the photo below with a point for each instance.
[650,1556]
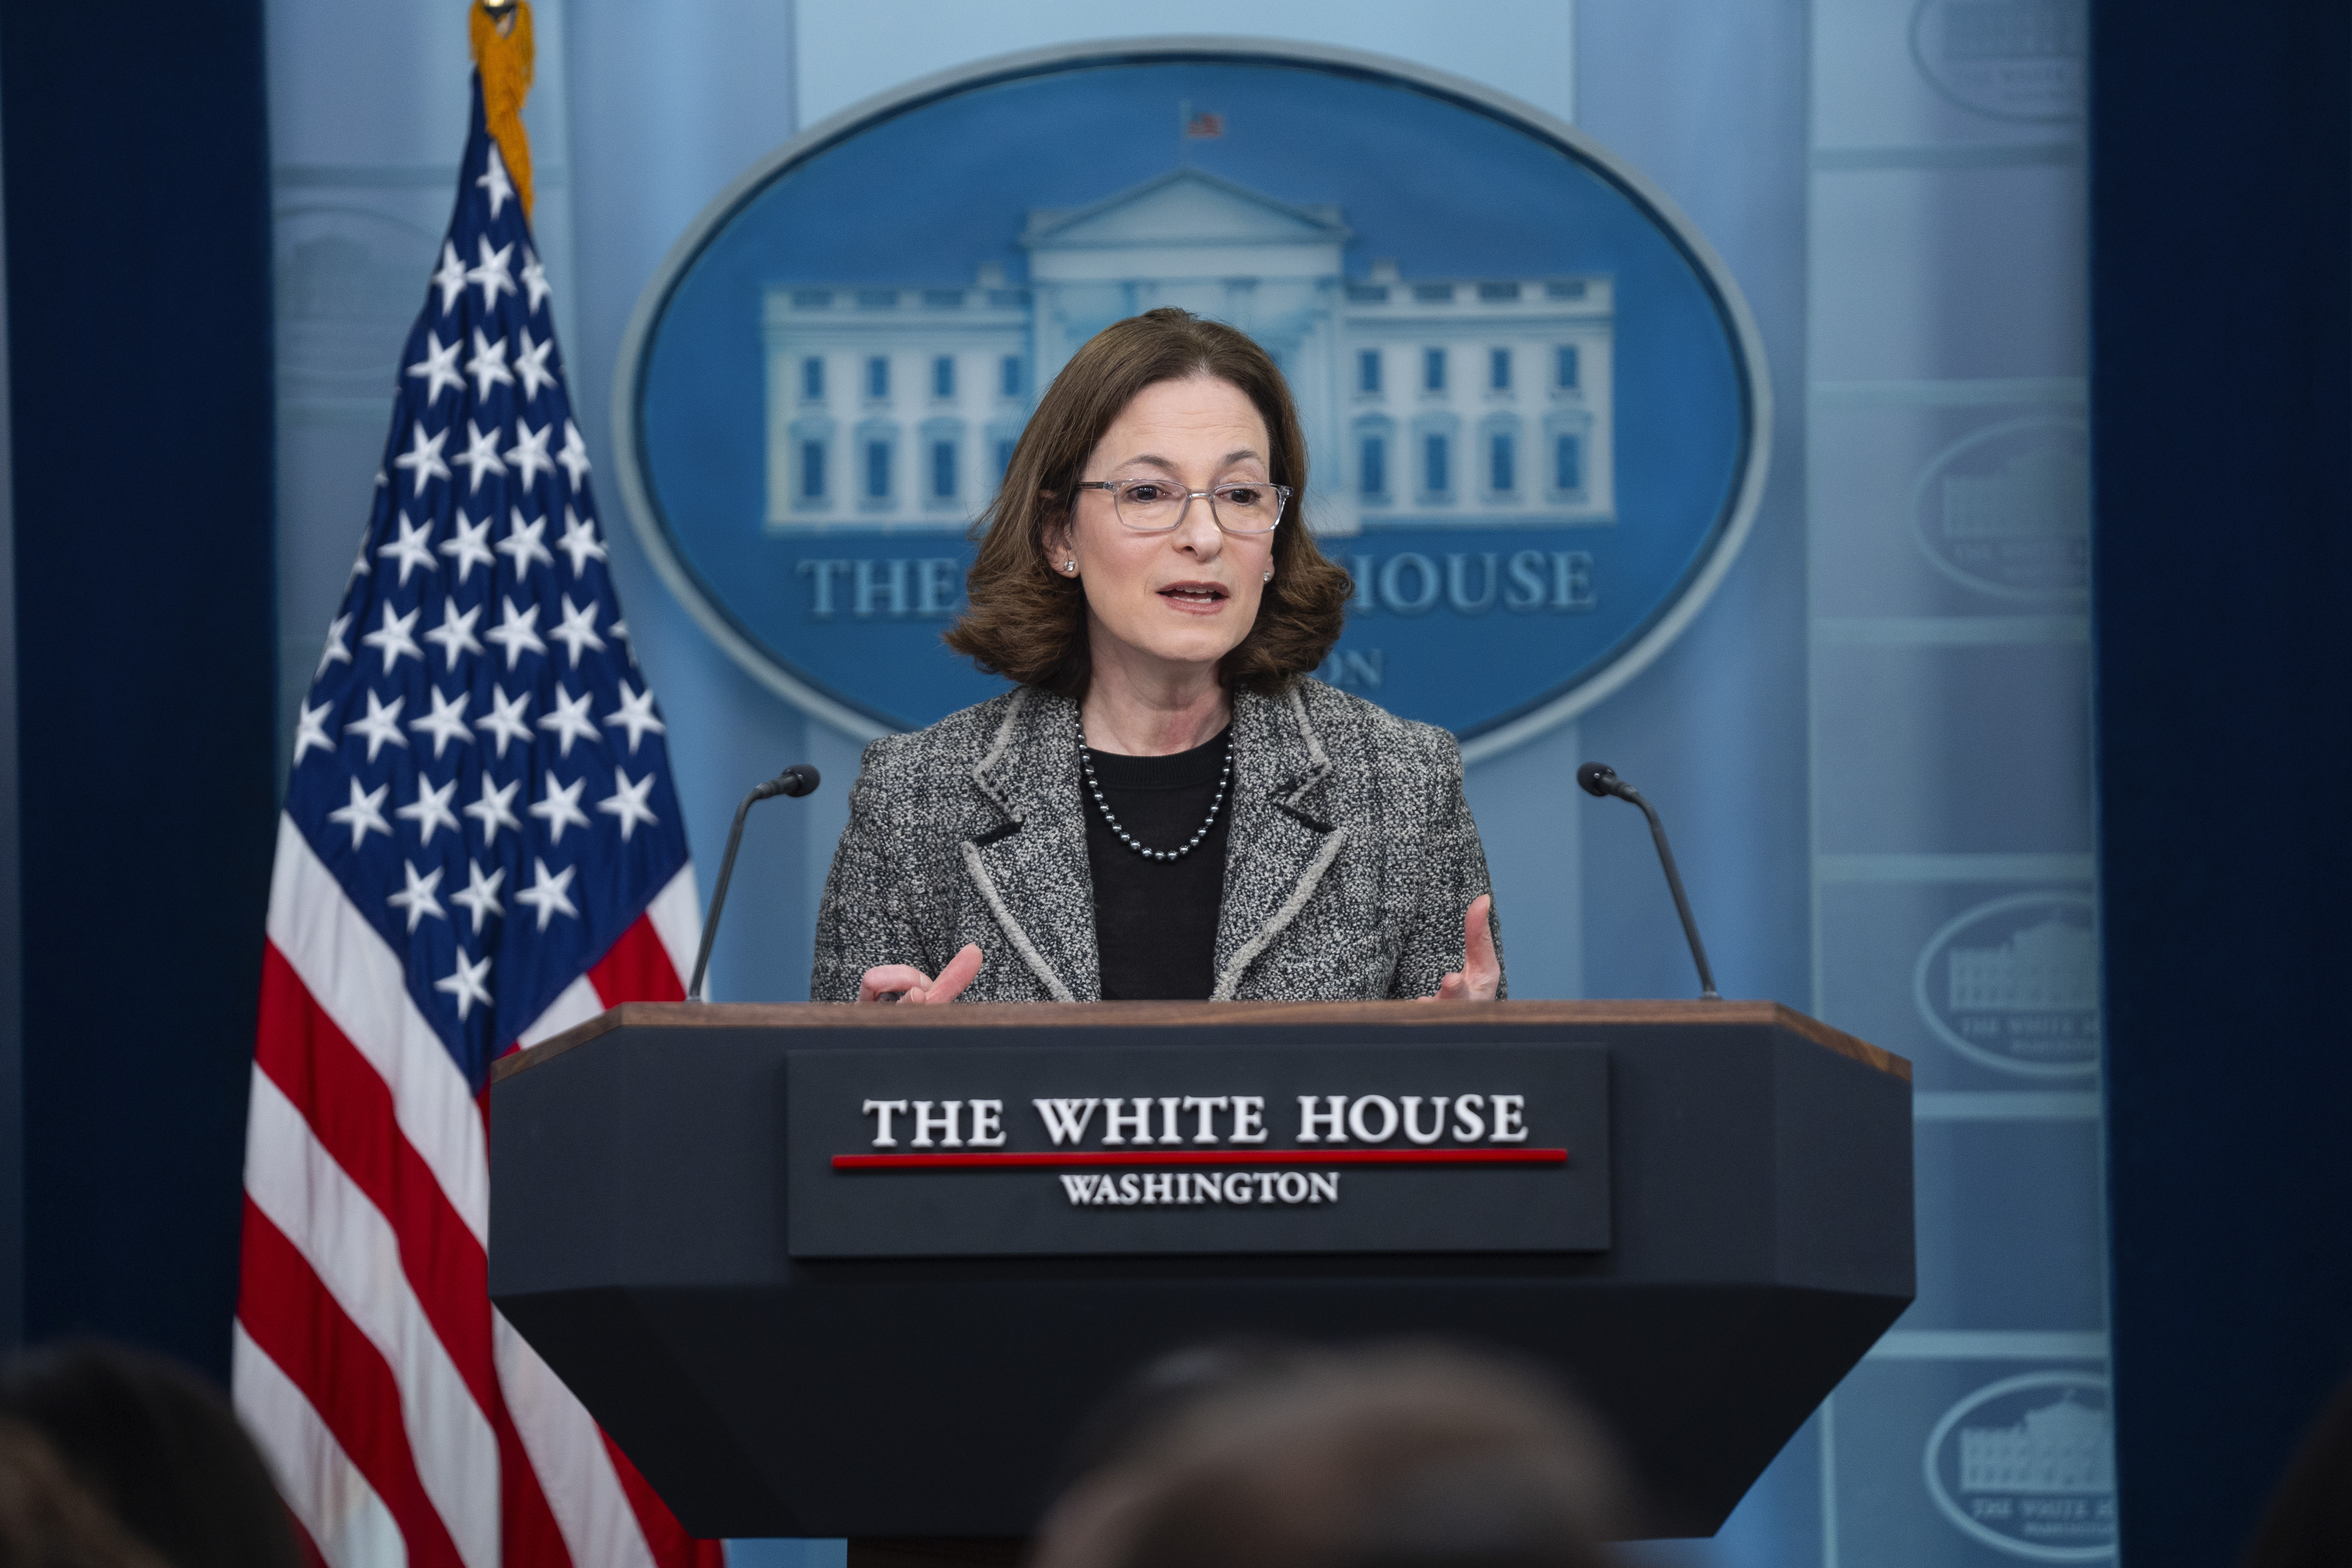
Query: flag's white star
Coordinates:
[496,810]
[311,730]
[489,365]
[560,808]
[574,456]
[456,631]
[627,801]
[338,650]
[469,543]
[578,631]
[417,897]
[637,715]
[578,540]
[531,362]
[570,720]
[551,896]
[516,631]
[505,719]
[534,280]
[465,983]
[447,722]
[393,637]
[423,461]
[481,456]
[491,274]
[528,453]
[522,541]
[479,896]
[494,180]
[365,814]
[382,725]
[360,567]
[412,549]
[450,279]
[439,366]
[430,809]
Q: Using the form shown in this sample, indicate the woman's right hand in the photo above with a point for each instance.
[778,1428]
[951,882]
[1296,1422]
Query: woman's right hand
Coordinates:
[904,983]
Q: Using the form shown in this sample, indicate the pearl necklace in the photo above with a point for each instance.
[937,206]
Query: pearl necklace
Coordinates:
[1094,788]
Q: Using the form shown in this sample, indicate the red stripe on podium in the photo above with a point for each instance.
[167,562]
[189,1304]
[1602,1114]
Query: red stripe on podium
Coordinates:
[1204,1157]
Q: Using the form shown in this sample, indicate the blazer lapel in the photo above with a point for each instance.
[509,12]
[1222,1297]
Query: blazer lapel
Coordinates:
[1281,841]
[1030,870]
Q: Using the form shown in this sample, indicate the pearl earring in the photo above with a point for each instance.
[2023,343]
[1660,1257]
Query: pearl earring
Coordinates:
[1070,566]
[1267,578]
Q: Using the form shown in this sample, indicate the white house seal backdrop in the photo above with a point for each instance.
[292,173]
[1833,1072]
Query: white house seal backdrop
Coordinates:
[1535,406]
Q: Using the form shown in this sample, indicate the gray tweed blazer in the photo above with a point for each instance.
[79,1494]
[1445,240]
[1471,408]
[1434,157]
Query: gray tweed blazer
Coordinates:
[1350,860]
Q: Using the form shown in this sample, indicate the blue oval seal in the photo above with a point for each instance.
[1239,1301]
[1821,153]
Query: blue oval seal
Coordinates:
[2027,1466]
[2013,985]
[1536,405]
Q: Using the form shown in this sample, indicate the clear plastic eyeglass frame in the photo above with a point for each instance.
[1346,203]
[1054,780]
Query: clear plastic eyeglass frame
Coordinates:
[1120,505]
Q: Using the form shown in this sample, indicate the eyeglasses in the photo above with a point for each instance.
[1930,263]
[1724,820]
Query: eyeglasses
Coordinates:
[1155,506]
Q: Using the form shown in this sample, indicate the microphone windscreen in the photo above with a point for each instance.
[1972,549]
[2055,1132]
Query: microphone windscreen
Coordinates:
[1596,777]
[799,779]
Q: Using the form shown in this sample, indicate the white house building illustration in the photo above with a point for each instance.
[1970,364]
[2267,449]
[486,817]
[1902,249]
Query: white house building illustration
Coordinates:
[2050,967]
[2060,1447]
[1475,402]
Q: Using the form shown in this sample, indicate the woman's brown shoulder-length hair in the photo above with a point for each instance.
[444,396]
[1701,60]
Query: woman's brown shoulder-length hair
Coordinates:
[1028,622]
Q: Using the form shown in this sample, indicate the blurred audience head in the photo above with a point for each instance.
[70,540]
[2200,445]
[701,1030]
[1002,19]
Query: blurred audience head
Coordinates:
[48,1519]
[157,1448]
[1399,1456]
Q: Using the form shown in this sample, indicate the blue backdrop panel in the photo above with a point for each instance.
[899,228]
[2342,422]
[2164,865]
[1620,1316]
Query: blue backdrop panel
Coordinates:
[1952,826]
[2225,749]
[139,335]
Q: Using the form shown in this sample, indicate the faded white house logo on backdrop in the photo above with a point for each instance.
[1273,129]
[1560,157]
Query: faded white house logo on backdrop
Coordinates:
[2006,509]
[1534,402]
[2014,984]
[2027,1465]
[2012,60]
[346,284]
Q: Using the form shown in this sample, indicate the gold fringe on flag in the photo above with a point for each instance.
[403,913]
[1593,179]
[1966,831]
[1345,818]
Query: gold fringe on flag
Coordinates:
[503,54]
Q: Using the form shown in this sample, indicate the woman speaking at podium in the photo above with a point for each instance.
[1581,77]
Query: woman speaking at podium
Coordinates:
[1166,805]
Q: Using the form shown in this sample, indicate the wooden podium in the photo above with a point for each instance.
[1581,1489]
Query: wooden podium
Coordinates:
[831,1271]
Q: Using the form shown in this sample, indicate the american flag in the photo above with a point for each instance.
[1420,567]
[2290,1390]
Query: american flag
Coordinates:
[480,847]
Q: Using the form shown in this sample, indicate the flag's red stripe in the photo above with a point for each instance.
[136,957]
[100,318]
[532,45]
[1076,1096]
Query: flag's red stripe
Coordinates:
[672,1547]
[1207,1157]
[350,1109]
[311,1557]
[637,968]
[530,1537]
[297,1324]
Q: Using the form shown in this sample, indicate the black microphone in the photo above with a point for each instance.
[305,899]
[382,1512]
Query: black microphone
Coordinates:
[1601,779]
[797,780]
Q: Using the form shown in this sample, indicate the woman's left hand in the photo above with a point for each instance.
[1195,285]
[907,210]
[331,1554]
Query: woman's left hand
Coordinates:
[1480,974]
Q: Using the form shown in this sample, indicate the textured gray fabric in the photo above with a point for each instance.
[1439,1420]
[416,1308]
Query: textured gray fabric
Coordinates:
[1351,861]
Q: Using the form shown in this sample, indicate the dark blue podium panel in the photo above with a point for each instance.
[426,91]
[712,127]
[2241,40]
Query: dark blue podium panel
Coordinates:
[742,1235]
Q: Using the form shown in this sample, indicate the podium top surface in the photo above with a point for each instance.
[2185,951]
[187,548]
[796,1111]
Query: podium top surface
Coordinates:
[1065,1015]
